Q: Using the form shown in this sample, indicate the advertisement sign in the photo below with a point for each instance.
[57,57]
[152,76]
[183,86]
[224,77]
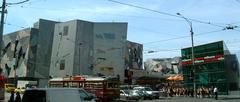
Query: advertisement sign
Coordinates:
[205,59]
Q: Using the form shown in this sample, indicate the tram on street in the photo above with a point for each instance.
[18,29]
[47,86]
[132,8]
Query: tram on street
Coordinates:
[105,88]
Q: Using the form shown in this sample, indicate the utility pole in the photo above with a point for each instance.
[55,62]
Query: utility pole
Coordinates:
[3,11]
[2,24]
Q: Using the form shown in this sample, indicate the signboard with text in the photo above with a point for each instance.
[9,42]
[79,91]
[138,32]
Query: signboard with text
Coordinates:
[205,59]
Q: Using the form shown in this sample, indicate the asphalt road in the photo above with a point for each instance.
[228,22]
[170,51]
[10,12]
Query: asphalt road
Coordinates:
[171,99]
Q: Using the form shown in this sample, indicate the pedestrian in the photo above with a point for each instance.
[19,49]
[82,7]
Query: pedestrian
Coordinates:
[18,97]
[198,93]
[212,93]
[186,92]
[192,92]
[215,90]
[11,97]
[171,92]
[203,92]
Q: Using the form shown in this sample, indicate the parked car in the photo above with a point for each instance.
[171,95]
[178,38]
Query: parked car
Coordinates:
[148,90]
[10,87]
[56,95]
[145,95]
[129,95]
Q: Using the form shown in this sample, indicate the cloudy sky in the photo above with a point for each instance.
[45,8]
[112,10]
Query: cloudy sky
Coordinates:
[159,30]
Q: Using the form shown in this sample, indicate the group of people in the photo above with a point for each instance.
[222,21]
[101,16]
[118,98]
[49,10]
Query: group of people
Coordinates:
[172,91]
[209,92]
[13,98]
[189,92]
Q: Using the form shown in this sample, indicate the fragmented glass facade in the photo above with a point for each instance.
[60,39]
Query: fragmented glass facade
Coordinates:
[210,66]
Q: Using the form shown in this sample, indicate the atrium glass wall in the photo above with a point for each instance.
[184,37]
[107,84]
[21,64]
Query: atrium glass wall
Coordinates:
[203,50]
[209,67]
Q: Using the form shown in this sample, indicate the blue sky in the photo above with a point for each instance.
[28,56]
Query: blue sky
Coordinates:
[155,31]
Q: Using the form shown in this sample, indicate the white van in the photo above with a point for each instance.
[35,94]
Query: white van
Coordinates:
[56,95]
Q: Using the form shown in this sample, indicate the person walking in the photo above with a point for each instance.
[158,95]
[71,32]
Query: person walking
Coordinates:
[11,97]
[18,97]
[211,94]
[215,90]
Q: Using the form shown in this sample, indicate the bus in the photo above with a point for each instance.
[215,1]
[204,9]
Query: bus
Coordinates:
[105,88]
[2,90]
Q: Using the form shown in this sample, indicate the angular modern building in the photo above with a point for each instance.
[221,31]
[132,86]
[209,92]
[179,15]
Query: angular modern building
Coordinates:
[27,53]
[88,48]
[19,53]
[133,60]
[165,66]
[213,66]
[58,49]
[44,42]
[133,55]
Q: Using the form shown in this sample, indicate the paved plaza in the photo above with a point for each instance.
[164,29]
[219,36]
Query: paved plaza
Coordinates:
[190,99]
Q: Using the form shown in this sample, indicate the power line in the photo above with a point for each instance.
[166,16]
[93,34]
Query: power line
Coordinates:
[227,42]
[9,24]
[112,14]
[149,30]
[183,37]
[154,11]
[133,16]
[194,51]
[164,13]
[14,25]
[138,17]
[167,50]
[161,50]
[175,50]
[149,47]
[17,3]
[34,1]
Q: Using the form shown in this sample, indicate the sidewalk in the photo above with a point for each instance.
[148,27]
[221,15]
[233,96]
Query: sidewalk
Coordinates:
[232,95]
[227,97]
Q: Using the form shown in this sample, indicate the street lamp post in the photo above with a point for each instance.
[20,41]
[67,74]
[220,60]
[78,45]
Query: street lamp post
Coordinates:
[193,66]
